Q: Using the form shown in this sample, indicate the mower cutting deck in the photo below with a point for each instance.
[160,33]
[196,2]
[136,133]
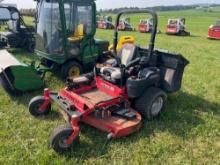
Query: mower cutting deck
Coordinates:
[94,103]
[123,90]
[17,77]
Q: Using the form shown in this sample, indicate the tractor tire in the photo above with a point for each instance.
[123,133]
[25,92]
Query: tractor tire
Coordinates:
[151,103]
[35,104]
[58,136]
[71,69]
[31,47]
[188,33]
[7,87]
[14,41]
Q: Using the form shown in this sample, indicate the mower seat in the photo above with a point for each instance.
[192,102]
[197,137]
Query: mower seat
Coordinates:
[128,53]
[78,34]
[123,40]
[75,82]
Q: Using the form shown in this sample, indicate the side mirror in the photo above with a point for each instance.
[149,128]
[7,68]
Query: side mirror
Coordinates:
[15,16]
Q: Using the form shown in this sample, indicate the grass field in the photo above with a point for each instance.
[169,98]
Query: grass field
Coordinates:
[188,132]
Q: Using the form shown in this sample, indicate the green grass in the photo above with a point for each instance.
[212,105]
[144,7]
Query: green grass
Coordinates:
[188,132]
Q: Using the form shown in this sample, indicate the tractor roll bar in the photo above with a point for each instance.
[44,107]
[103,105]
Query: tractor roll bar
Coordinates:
[153,32]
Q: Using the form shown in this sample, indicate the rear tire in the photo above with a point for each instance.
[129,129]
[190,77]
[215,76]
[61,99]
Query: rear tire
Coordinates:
[71,69]
[14,41]
[35,104]
[59,135]
[151,103]
[31,47]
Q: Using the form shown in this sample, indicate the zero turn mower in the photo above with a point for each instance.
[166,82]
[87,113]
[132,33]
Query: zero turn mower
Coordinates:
[177,27]
[145,25]
[130,86]
[124,25]
[104,22]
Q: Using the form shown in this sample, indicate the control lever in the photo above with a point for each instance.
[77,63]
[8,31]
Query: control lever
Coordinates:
[134,62]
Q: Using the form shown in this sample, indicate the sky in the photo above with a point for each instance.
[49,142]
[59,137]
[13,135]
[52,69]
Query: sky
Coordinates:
[106,4]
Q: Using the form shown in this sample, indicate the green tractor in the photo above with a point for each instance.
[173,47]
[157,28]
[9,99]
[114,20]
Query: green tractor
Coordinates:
[64,40]
[65,35]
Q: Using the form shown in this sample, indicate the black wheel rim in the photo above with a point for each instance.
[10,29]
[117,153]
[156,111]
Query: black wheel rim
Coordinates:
[37,108]
[62,142]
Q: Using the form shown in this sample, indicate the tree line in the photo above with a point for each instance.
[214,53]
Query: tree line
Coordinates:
[32,12]
[28,12]
[161,8]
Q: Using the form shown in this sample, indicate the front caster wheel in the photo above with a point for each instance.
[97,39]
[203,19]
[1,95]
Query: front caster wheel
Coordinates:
[35,106]
[59,136]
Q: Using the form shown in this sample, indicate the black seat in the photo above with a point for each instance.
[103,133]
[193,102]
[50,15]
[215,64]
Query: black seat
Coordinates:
[128,53]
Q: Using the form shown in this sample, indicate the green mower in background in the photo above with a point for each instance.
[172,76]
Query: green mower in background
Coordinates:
[64,40]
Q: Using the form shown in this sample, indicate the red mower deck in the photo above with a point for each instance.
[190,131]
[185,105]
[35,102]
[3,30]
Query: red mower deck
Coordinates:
[87,100]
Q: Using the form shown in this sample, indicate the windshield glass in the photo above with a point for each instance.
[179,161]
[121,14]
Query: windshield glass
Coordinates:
[49,31]
[78,14]
[10,18]
[173,22]
[4,14]
[78,19]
